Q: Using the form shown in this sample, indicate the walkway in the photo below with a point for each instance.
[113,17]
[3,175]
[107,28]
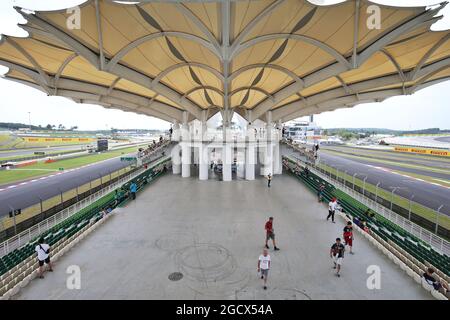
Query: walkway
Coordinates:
[213,233]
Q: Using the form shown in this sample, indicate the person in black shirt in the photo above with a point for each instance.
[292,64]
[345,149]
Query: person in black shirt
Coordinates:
[442,287]
[337,254]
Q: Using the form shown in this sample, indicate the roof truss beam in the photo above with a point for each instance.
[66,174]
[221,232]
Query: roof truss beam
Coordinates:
[337,68]
[200,25]
[118,69]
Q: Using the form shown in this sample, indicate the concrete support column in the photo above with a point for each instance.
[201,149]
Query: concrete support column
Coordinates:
[226,161]
[176,159]
[203,165]
[196,150]
[176,131]
[269,126]
[250,161]
[277,161]
[240,160]
[268,159]
[185,148]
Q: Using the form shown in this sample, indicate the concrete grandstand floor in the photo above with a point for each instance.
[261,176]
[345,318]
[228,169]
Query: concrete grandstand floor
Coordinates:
[213,233]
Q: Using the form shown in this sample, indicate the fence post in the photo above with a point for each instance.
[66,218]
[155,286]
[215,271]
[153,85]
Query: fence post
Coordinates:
[376,192]
[409,213]
[437,218]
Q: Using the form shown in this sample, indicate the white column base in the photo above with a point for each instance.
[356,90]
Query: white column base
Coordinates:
[176,159]
[176,168]
[203,171]
[227,159]
[250,161]
[185,160]
[185,170]
[268,161]
[203,167]
[277,163]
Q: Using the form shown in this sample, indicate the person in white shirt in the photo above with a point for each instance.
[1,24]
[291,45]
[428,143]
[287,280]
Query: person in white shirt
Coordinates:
[43,254]
[332,205]
[264,266]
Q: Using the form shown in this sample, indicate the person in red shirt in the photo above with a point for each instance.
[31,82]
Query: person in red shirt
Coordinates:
[348,236]
[270,234]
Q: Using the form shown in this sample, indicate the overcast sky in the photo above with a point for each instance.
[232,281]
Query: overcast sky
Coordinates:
[427,108]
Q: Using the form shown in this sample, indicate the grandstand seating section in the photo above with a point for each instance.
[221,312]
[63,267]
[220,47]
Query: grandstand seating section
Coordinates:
[379,225]
[73,224]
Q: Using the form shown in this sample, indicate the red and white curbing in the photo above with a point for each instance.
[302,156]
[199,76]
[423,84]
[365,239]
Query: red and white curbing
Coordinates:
[52,175]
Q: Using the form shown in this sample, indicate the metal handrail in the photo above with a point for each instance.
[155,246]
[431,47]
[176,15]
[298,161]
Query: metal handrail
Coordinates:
[439,244]
[25,236]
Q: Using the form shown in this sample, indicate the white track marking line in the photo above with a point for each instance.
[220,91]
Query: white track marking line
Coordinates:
[406,176]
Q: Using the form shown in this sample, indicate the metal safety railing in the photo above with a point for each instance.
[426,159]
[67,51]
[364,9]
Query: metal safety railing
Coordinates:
[439,244]
[25,236]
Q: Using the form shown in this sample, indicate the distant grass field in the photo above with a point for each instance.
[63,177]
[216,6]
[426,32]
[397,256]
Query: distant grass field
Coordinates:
[41,169]
[418,209]
[12,142]
[8,142]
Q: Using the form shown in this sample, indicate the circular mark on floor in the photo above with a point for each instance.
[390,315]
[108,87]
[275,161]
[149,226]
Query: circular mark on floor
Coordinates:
[205,262]
[175,241]
[175,276]
[289,294]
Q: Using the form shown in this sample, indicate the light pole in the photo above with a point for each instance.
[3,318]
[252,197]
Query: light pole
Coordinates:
[409,212]
[29,119]
[437,219]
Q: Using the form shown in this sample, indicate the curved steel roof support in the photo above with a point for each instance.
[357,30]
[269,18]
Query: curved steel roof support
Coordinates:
[424,79]
[118,69]
[322,97]
[337,68]
[100,35]
[32,31]
[44,78]
[428,71]
[106,92]
[251,25]
[113,84]
[199,24]
[114,102]
[344,85]
[267,94]
[187,64]
[76,46]
[123,52]
[319,44]
[424,18]
[99,92]
[28,72]
[428,55]
[347,100]
[60,71]
[202,88]
[427,84]
[431,68]
[225,22]
[270,66]
[395,63]
[27,83]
